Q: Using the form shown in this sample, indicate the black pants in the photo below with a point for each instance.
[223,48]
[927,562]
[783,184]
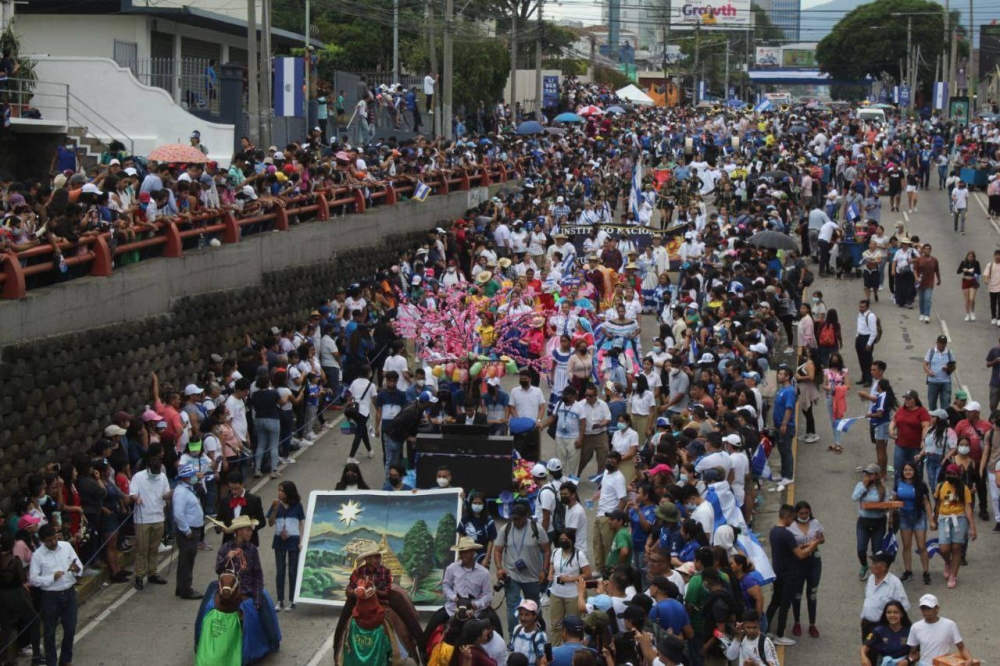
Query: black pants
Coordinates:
[59,608]
[360,434]
[824,256]
[807,412]
[994,305]
[781,600]
[864,357]
[286,560]
[812,570]
[15,610]
[187,550]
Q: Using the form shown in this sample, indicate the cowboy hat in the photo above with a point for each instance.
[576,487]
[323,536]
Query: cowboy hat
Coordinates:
[371,551]
[484,277]
[238,523]
[465,543]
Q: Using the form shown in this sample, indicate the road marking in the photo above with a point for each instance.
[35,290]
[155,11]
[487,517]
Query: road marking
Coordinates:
[944,330]
[979,200]
[321,653]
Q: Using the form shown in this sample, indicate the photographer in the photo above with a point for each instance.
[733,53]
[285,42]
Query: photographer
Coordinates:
[521,555]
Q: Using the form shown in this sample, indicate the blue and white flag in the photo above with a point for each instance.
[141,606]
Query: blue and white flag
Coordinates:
[597,478]
[759,464]
[747,542]
[889,544]
[765,105]
[940,94]
[853,212]
[932,547]
[289,87]
[844,425]
[421,191]
[635,194]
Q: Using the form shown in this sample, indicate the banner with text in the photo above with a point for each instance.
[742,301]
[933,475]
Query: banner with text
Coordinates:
[629,238]
[711,14]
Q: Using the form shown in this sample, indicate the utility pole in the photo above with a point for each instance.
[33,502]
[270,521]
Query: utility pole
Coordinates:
[697,57]
[513,62]
[539,91]
[971,69]
[267,98]
[307,63]
[253,112]
[909,57]
[435,117]
[446,80]
[395,41]
[593,52]
[666,41]
[725,92]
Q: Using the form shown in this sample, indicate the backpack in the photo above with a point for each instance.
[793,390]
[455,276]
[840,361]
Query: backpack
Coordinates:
[878,329]
[537,641]
[827,335]
[534,530]
[558,523]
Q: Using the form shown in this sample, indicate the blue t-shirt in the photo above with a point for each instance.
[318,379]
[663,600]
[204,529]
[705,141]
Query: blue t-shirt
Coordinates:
[563,655]
[391,403]
[671,539]
[784,400]
[879,406]
[750,580]
[287,520]
[639,535]
[671,615]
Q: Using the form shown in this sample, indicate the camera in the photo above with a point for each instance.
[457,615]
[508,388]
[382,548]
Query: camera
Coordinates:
[500,584]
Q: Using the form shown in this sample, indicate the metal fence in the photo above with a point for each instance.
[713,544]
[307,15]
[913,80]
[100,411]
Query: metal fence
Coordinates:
[189,81]
[26,97]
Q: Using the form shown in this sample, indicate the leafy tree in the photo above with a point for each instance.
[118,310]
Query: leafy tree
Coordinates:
[481,68]
[418,553]
[869,40]
[444,540]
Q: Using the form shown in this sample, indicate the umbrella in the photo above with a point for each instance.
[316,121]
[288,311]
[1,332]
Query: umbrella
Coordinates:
[774,175]
[178,153]
[798,129]
[615,109]
[774,240]
[557,131]
[569,117]
[530,127]
[590,111]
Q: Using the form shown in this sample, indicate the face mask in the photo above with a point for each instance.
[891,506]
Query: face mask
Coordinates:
[683,478]
[154,468]
[964,450]
[442,482]
[610,467]
[421,382]
[564,501]
[802,520]
[622,426]
[566,545]
[394,480]
[657,349]
[525,384]
[476,508]
[351,478]
[815,299]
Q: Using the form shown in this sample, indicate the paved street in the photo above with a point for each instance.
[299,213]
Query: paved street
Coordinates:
[155,628]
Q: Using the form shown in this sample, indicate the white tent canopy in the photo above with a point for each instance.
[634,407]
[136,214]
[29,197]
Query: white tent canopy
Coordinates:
[634,95]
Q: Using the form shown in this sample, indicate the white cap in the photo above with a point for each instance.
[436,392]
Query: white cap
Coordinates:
[706,358]
[759,348]
[90,188]
[493,381]
[114,431]
[732,439]
[554,465]
[114,162]
[973,406]
[248,191]
[929,600]
[131,171]
[538,471]
[193,389]
[559,199]
[278,155]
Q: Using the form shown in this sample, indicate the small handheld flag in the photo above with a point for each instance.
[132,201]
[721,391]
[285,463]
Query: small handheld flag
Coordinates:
[421,192]
[844,425]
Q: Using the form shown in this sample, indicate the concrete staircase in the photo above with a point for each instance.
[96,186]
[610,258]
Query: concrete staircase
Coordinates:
[92,147]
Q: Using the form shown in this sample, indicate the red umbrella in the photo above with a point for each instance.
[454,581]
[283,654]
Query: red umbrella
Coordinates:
[590,111]
[177,153]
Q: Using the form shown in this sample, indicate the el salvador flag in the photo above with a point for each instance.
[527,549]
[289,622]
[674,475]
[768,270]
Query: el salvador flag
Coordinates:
[289,82]
[763,106]
[932,547]
[636,193]
[853,212]
[843,425]
[597,478]
[421,192]
[759,464]
[889,543]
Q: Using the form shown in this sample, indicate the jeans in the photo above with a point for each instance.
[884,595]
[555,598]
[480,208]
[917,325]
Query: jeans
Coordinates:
[869,530]
[360,435]
[938,395]
[959,216]
[812,570]
[900,456]
[864,357]
[392,451]
[824,256]
[785,451]
[924,297]
[994,305]
[287,422]
[282,556]
[781,600]
[837,435]
[59,608]
[933,468]
[513,592]
[268,433]
[332,379]
[942,176]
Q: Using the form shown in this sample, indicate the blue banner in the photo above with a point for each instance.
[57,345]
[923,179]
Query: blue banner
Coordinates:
[550,91]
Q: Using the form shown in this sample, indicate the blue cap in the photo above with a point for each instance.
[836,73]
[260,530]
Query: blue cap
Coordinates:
[662,422]
[572,622]
[751,375]
[427,396]
[186,471]
[601,602]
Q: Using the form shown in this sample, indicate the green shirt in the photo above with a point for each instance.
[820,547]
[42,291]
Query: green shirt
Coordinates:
[695,598]
[491,288]
[623,539]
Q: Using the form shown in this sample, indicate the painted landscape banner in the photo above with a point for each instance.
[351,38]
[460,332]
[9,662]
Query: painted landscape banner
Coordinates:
[414,531]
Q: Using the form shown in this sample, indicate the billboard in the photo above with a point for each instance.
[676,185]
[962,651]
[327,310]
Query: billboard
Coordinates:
[989,49]
[804,58]
[711,14]
[768,56]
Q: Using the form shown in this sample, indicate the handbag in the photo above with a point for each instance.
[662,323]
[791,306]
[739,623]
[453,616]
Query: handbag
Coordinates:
[352,413]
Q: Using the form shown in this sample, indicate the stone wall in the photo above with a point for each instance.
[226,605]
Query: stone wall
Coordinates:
[76,353]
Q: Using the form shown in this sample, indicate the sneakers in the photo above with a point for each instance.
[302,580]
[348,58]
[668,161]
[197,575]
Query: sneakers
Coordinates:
[781,640]
[811,437]
[786,482]
[952,582]
[906,577]
[796,629]
[972,316]
[996,529]
[371,432]
[927,578]
[993,322]
[789,350]
[371,453]
[863,572]
[968,317]
[290,608]
[352,459]
[280,606]
[204,546]
[813,631]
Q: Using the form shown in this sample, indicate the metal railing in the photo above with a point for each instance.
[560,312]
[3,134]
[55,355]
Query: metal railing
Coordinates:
[188,80]
[51,100]
[373,79]
[80,114]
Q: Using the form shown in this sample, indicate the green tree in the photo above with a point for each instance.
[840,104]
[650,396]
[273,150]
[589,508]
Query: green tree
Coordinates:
[871,39]
[481,68]
[444,540]
[418,553]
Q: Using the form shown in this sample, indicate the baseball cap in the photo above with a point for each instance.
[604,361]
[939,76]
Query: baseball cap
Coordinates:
[193,389]
[215,358]
[872,469]
[733,439]
[529,606]
[686,569]
[928,601]
[662,422]
[27,521]
[600,602]
[186,472]
[882,556]
[427,396]
[538,471]
[150,415]
[554,465]
[493,381]
[910,394]
[973,406]
[953,469]
[961,395]
[634,615]
[573,622]
[942,338]
[114,431]
[122,416]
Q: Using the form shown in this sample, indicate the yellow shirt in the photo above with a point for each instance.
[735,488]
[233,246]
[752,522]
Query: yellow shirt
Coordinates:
[949,503]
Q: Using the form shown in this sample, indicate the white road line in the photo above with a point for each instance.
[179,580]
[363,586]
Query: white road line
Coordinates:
[979,200]
[944,330]
[325,648]
[321,653]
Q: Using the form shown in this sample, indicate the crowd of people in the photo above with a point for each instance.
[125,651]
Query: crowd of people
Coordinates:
[674,365]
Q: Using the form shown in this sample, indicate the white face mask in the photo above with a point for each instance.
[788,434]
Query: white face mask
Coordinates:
[442,482]
[964,450]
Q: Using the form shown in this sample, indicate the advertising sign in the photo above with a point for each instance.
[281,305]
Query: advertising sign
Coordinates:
[989,49]
[958,109]
[768,56]
[804,58]
[711,14]
[550,91]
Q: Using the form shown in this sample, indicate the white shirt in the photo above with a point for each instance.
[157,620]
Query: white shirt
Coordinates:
[238,411]
[593,413]
[576,518]
[327,349]
[357,390]
[526,402]
[741,467]
[429,85]
[45,563]
[826,231]
[934,640]
[878,595]
[960,197]
[613,490]
[152,490]
[624,441]
[547,500]
[705,515]
[566,566]
[642,404]
[746,649]
[868,325]
[713,460]
[399,364]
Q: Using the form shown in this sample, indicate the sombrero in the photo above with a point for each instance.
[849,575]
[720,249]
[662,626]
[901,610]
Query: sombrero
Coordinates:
[238,523]
[466,543]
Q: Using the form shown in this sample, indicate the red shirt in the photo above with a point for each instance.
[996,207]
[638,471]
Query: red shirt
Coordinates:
[909,426]
[975,432]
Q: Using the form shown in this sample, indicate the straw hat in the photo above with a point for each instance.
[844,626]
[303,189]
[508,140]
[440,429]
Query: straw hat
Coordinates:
[371,551]
[504,262]
[484,277]
[238,523]
[465,543]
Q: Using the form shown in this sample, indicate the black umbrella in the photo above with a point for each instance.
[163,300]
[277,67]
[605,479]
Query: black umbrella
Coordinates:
[775,176]
[774,240]
[798,129]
